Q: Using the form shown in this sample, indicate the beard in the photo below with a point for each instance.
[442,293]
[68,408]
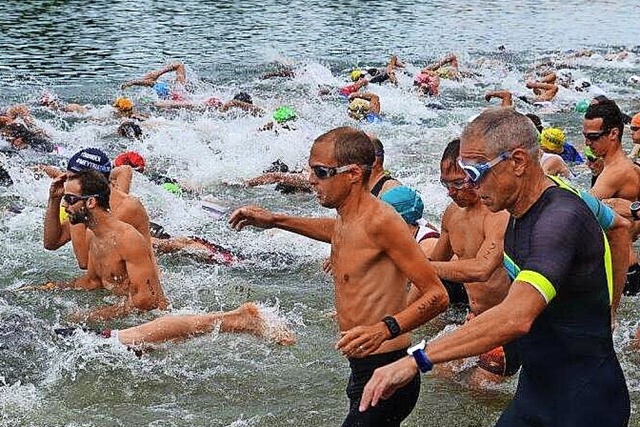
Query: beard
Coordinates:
[80,217]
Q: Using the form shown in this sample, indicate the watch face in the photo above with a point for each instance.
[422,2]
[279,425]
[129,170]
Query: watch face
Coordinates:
[635,206]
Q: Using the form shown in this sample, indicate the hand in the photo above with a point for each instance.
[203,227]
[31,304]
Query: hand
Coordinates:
[361,341]
[251,215]
[56,189]
[326,265]
[487,96]
[386,380]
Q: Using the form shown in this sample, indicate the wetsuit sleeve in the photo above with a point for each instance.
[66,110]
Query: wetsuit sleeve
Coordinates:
[604,214]
[551,252]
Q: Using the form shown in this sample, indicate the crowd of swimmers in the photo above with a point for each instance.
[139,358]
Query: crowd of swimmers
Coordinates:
[395,271]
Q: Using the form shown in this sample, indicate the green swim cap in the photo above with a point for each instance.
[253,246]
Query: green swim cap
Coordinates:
[172,188]
[284,114]
[581,106]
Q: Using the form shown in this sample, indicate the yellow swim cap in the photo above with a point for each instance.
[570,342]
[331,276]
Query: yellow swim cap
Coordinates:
[123,104]
[358,108]
[552,139]
[355,75]
[63,214]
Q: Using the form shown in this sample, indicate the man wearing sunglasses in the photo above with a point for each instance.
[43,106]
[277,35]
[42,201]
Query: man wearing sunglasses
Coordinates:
[58,230]
[372,257]
[634,126]
[558,306]
[620,178]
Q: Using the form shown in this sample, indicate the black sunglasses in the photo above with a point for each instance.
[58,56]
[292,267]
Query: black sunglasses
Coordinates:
[71,199]
[634,128]
[594,136]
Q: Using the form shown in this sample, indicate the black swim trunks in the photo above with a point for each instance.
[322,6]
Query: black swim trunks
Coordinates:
[632,284]
[389,412]
[456,291]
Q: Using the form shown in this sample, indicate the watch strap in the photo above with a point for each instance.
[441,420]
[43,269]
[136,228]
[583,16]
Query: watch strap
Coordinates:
[424,364]
[635,211]
[392,326]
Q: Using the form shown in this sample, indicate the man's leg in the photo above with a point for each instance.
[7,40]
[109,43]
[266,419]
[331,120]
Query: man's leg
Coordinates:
[245,319]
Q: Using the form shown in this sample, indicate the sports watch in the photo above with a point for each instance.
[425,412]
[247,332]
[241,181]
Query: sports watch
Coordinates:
[417,351]
[392,325]
[635,210]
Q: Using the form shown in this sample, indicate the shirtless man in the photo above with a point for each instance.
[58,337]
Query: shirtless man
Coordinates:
[120,261]
[544,90]
[372,256]
[380,181]
[58,230]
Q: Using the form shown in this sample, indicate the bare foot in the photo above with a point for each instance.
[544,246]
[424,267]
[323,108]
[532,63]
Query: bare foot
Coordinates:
[264,322]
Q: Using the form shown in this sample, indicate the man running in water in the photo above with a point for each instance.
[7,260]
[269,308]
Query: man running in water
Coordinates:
[558,307]
[372,256]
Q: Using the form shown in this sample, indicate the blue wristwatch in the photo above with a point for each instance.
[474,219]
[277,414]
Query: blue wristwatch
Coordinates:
[417,351]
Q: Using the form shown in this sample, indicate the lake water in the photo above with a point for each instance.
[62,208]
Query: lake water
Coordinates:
[82,51]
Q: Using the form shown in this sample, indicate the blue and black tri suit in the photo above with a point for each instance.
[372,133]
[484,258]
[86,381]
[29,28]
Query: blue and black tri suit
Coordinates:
[570,373]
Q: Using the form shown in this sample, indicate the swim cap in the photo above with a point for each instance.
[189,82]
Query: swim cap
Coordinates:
[177,96]
[552,139]
[213,102]
[243,97]
[406,201]
[130,129]
[355,75]
[90,158]
[172,188]
[635,120]
[284,114]
[162,89]
[131,158]
[123,104]
[358,108]
[63,214]
[588,152]
[581,106]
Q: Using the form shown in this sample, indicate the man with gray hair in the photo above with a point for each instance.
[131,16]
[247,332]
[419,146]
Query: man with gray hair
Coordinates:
[558,306]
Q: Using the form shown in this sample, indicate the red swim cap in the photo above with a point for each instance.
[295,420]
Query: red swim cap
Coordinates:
[131,158]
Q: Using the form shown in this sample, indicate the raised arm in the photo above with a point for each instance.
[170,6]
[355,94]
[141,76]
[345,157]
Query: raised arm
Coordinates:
[487,259]
[121,177]
[506,98]
[150,78]
[55,233]
[315,228]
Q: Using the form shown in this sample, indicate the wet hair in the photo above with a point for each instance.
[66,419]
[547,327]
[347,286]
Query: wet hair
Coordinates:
[609,113]
[130,129]
[277,166]
[378,148]
[94,182]
[536,121]
[503,129]
[243,97]
[351,146]
[450,156]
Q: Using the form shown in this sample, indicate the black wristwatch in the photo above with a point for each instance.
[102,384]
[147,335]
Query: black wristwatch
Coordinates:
[635,210]
[392,325]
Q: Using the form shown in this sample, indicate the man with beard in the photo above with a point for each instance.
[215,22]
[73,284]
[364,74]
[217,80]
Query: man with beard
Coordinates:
[372,256]
[57,229]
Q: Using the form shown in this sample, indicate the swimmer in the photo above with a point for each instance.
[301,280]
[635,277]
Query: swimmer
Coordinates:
[162,89]
[553,140]
[544,89]
[52,102]
[283,118]
[364,107]
[379,75]
[287,182]
[124,109]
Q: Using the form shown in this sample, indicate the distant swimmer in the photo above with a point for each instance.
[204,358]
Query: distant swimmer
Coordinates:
[284,118]
[379,75]
[505,97]
[54,103]
[372,257]
[163,243]
[286,180]
[545,90]
[364,107]
[176,91]
[124,109]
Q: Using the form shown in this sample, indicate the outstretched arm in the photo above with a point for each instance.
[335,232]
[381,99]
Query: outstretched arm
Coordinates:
[295,179]
[315,228]
[151,77]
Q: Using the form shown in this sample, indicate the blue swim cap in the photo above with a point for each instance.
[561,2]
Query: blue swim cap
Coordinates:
[406,201]
[162,89]
[90,158]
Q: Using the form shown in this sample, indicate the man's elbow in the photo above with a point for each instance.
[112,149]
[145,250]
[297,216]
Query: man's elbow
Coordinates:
[52,245]
[144,303]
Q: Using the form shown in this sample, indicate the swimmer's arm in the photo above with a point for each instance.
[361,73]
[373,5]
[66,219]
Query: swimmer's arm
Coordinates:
[374,101]
[604,188]
[80,235]
[55,234]
[543,86]
[506,98]
[121,177]
[442,250]
[315,228]
[487,259]
[295,179]
[140,82]
[498,325]
[106,312]
[619,239]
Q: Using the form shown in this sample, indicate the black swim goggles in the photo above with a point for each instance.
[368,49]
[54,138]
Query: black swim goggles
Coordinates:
[71,199]
[594,136]
[477,171]
[324,172]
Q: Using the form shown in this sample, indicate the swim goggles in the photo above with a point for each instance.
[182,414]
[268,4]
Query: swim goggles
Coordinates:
[477,171]
[634,128]
[71,199]
[594,136]
[458,184]
[324,172]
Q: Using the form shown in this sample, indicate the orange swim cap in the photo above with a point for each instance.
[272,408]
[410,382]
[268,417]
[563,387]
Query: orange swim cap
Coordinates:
[635,121]
[123,104]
